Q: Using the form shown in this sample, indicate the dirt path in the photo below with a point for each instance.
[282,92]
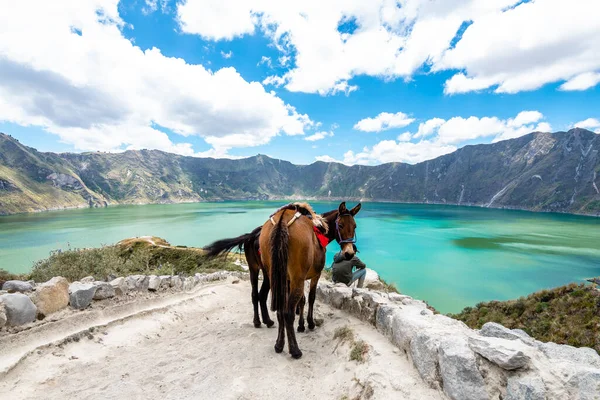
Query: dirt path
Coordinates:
[206,347]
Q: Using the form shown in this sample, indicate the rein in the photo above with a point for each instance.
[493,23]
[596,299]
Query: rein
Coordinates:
[337,229]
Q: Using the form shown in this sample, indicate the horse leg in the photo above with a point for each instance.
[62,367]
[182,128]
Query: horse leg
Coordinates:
[296,293]
[255,297]
[263,294]
[311,301]
[280,333]
[300,312]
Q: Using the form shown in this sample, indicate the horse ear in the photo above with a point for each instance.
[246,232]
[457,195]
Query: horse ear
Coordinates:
[342,208]
[355,210]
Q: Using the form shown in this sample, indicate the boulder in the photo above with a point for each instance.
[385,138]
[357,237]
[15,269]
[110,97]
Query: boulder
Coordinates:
[506,354]
[119,286]
[137,282]
[340,294]
[87,279]
[103,290]
[19,309]
[3,317]
[165,281]
[584,384]
[424,353]
[81,294]
[458,368]
[583,356]
[51,296]
[176,282]
[525,388]
[153,283]
[17,287]
[493,329]
[188,283]
[371,276]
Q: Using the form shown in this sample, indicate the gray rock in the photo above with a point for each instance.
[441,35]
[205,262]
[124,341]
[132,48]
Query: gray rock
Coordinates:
[3,317]
[153,283]
[584,384]
[426,312]
[119,285]
[19,309]
[17,287]
[87,279]
[504,353]
[165,281]
[188,283]
[51,296]
[525,388]
[493,329]
[81,294]
[340,294]
[582,356]
[103,290]
[424,353]
[396,297]
[176,282]
[137,282]
[458,369]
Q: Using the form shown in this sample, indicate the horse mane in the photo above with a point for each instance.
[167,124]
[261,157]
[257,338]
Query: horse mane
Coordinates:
[307,210]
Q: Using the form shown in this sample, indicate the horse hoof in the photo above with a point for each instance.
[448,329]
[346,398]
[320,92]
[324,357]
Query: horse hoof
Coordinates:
[297,355]
[257,324]
[311,326]
[301,329]
[278,349]
[269,323]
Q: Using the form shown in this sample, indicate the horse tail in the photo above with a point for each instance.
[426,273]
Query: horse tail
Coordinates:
[224,246]
[279,261]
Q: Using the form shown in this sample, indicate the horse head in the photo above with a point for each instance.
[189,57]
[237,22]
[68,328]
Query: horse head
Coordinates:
[345,229]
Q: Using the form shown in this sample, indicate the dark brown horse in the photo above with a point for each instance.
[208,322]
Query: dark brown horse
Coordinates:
[249,244]
[291,254]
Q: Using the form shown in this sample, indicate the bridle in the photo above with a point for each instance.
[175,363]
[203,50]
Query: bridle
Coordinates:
[339,235]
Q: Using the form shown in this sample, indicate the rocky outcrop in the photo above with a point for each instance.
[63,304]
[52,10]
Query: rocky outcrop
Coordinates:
[137,282]
[104,290]
[51,296]
[81,294]
[17,287]
[493,363]
[19,309]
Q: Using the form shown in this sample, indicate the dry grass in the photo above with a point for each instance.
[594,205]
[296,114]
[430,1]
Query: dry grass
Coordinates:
[131,256]
[344,334]
[567,315]
[359,351]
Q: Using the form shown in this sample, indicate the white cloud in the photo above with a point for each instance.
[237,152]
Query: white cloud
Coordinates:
[227,55]
[428,127]
[326,159]
[445,136]
[582,81]
[383,122]
[509,45]
[404,137]
[592,124]
[526,47]
[318,136]
[392,151]
[98,91]
[265,60]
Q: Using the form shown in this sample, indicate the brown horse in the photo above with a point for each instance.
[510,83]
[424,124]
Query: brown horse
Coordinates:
[249,244]
[291,253]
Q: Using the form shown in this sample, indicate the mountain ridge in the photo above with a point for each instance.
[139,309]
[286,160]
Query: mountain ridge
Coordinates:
[555,172]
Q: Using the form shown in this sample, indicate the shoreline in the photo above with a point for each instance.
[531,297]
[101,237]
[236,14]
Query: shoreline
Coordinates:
[305,198]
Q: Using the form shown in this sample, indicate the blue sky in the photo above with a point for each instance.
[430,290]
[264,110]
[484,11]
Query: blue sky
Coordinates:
[207,78]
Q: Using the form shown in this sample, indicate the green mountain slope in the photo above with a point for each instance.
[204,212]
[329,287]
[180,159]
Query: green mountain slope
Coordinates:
[540,171]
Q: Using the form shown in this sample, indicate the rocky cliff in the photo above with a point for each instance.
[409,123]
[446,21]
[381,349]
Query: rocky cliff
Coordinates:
[540,171]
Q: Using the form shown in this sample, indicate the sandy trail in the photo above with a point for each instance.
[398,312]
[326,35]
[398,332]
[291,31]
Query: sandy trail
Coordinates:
[206,347]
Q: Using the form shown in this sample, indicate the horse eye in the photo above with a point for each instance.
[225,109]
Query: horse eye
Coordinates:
[341,226]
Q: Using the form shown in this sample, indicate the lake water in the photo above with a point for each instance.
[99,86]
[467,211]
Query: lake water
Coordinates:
[450,256]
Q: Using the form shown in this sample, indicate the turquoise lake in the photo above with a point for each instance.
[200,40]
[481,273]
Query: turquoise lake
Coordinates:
[452,257]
